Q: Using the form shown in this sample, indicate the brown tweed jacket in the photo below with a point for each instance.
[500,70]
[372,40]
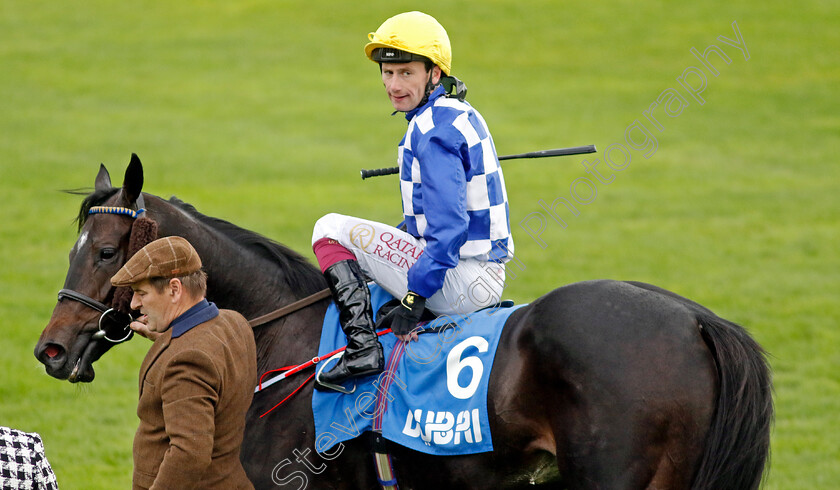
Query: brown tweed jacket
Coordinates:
[194,392]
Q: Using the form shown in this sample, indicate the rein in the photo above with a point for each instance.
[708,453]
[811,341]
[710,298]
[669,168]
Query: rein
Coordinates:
[290,308]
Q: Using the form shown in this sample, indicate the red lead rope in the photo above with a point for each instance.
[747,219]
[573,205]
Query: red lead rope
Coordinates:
[290,370]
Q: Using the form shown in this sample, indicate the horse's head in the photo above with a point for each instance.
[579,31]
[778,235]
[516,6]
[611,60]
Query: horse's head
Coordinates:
[78,332]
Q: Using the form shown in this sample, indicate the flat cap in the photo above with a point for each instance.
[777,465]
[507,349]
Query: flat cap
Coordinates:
[166,257]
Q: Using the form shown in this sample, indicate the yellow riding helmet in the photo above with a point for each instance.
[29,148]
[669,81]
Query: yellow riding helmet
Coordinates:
[412,32]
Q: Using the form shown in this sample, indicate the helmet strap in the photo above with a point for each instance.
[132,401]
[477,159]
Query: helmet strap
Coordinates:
[430,87]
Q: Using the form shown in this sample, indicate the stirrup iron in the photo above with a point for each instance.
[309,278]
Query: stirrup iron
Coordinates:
[332,386]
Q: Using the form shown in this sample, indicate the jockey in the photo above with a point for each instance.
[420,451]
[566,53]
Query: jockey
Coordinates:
[450,254]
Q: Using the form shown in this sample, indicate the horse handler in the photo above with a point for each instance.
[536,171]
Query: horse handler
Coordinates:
[197,380]
[451,256]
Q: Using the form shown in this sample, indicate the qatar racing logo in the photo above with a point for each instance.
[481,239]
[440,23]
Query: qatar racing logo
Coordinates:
[362,236]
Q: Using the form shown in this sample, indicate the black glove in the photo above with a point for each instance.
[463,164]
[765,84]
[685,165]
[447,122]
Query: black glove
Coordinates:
[404,317]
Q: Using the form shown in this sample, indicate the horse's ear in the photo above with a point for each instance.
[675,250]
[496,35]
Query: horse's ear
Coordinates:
[103,178]
[133,182]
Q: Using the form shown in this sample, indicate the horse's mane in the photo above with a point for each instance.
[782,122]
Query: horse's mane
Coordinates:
[300,274]
[302,277]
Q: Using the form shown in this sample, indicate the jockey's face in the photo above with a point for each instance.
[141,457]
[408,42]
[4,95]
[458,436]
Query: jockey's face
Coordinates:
[405,83]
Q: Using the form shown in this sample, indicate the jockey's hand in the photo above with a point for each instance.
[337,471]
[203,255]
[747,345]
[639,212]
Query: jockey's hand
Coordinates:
[140,327]
[404,317]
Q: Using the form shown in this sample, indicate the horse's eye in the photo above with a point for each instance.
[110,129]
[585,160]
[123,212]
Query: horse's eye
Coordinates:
[107,253]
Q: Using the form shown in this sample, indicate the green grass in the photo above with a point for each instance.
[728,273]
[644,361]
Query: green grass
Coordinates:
[262,113]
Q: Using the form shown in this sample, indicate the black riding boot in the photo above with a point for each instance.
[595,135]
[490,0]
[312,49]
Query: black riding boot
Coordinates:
[363,355]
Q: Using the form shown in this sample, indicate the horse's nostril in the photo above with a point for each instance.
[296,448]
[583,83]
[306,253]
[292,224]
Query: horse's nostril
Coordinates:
[52,351]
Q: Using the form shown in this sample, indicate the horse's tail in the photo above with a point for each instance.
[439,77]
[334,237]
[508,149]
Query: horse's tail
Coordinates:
[738,443]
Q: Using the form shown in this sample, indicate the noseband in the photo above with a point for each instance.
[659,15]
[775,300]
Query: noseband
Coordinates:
[112,322]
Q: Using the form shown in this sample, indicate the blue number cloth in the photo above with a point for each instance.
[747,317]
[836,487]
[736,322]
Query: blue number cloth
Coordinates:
[436,398]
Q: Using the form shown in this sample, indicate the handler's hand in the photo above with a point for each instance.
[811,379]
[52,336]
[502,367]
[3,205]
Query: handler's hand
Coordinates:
[140,327]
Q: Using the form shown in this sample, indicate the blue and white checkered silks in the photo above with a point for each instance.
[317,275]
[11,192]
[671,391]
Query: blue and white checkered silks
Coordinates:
[453,190]
[23,464]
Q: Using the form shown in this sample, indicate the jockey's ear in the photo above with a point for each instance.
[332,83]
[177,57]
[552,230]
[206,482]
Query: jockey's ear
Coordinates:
[436,74]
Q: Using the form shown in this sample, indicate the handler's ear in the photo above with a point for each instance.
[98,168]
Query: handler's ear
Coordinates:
[176,289]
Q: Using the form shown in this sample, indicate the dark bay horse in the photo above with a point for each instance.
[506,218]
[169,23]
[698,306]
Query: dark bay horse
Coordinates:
[600,384]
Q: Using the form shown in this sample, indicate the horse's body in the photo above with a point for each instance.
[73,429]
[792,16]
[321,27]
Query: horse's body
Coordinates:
[600,384]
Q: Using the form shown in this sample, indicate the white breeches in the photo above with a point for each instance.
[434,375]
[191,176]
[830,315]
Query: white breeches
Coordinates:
[385,253]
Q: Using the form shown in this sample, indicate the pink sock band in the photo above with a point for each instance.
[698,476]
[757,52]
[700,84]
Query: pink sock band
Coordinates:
[329,251]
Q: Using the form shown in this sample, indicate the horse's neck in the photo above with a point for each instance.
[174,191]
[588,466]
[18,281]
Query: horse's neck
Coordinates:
[240,279]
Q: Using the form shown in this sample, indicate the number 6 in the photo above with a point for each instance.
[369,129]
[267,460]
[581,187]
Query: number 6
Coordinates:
[454,365]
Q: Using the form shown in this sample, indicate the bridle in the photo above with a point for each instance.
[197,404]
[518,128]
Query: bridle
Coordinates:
[109,320]
[113,324]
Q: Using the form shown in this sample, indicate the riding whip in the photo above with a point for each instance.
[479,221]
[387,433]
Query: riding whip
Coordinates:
[575,150]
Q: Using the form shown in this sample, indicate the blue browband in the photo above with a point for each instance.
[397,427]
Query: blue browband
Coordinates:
[141,203]
[116,210]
